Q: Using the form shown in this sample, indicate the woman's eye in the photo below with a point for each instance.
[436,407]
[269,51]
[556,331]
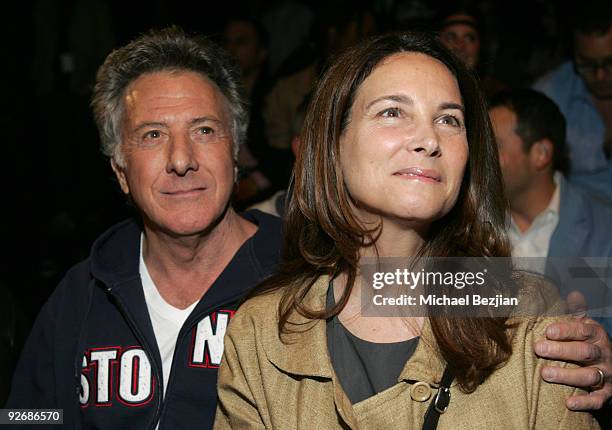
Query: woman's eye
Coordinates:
[391,113]
[450,120]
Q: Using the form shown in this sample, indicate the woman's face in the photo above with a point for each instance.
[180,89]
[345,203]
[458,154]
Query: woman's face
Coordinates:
[404,151]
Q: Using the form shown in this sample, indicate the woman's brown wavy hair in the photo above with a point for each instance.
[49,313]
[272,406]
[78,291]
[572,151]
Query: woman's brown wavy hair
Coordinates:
[323,236]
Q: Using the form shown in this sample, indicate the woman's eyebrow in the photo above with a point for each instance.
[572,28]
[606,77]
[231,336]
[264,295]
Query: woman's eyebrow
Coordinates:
[399,98]
[450,105]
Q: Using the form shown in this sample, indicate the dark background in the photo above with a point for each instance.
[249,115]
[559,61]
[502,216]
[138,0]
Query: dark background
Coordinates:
[58,190]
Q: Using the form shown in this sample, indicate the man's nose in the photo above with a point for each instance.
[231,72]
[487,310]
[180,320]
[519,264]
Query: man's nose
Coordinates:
[181,156]
[459,44]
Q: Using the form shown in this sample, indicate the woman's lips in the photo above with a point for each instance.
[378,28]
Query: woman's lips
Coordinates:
[425,175]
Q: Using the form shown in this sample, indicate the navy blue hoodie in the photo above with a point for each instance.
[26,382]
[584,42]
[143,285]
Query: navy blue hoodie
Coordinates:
[92,351]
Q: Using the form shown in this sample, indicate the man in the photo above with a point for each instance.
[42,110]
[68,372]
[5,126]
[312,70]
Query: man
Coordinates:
[582,88]
[133,336]
[549,217]
[461,30]
[460,33]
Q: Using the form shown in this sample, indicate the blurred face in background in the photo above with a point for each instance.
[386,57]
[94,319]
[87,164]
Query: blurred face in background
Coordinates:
[514,161]
[460,35]
[242,41]
[360,27]
[593,60]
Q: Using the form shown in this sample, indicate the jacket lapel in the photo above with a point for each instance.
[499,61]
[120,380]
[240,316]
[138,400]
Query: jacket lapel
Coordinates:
[571,233]
[426,364]
[304,352]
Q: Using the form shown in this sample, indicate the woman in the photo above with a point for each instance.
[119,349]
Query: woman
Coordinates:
[396,160]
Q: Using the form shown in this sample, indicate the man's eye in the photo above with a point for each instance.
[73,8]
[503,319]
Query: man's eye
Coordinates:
[206,130]
[449,36]
[393,112]
[153,134]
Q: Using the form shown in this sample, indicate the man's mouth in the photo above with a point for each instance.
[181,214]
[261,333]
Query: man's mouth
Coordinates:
[184,192]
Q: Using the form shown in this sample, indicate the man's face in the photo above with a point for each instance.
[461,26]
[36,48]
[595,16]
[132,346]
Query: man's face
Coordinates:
[177,147]
[514,161]
[593,59]
[462,38]
[242,41]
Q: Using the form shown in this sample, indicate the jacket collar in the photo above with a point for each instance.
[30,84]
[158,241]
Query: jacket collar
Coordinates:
[426,364]
[305,352]
[571,232]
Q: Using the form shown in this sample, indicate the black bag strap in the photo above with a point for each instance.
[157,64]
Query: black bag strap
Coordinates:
[440,402]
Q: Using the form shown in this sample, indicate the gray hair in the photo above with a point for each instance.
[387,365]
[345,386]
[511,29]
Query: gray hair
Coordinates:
[168,49]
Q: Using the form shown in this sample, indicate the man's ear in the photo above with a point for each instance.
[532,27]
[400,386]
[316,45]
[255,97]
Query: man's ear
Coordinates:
[119,172]
[541,153]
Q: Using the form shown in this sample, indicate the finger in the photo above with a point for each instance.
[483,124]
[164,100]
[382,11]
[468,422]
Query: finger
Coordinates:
[580,352]
[572,330]
[576,303]
[583,377]
[592,401]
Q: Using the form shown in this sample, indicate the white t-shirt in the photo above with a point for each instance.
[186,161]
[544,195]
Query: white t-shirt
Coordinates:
[166,319]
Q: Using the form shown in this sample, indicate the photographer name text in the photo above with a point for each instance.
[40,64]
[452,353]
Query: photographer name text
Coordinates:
[444,300]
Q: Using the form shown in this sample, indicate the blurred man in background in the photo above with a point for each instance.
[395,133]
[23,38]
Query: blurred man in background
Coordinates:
[550,217]
[582,88]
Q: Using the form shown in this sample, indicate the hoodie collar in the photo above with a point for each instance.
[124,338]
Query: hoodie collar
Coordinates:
[115,254]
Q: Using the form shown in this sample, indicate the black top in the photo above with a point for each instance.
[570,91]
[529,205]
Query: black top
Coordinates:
[364,368]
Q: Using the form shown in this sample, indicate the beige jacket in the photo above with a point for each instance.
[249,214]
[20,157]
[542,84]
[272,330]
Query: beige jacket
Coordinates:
[264,383]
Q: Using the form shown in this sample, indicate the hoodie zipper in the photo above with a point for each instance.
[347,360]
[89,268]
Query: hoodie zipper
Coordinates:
[143,341]
[184,332]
